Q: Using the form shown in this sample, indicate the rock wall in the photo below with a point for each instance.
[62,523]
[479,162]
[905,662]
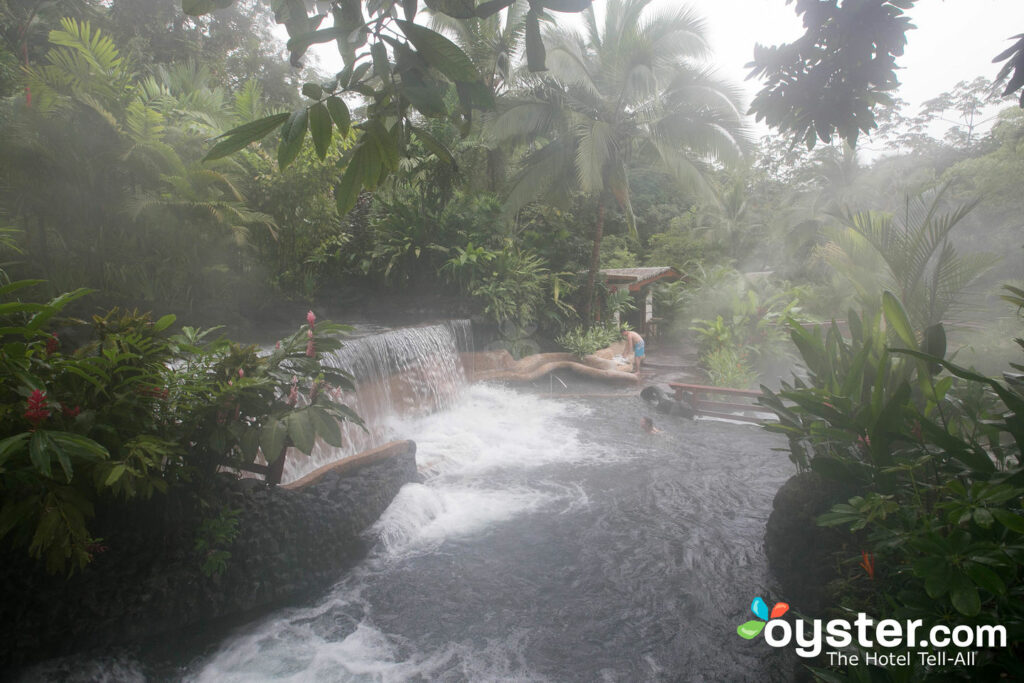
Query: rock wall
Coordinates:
[147,583]
[803,556]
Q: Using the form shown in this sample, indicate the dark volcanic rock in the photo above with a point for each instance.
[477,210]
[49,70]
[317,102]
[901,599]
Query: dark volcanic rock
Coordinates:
[801,554]
[148,583]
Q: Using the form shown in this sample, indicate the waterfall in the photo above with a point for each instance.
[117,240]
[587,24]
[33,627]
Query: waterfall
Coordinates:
[408,371]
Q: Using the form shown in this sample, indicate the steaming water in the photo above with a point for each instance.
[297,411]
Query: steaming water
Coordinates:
[549,541]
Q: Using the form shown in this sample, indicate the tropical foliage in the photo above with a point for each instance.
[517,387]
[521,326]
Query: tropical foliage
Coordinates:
[136,410]
[929,456]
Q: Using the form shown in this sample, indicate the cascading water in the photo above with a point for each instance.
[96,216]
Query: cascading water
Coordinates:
[550,540]
[408,371]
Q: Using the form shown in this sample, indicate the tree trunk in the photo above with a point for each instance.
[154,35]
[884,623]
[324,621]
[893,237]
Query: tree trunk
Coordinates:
[595,265]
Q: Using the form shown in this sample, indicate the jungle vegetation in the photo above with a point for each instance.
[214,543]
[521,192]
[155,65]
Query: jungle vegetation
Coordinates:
[180,159]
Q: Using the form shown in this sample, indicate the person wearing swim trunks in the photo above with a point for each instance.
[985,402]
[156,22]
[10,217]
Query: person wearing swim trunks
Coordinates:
[635,343]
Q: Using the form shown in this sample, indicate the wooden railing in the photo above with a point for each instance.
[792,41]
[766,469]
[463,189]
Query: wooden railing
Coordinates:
[740,400]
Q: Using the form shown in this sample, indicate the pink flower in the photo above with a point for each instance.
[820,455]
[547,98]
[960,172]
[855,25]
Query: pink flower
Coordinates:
[310,349]
[37,410]
[293,395]
[241,373]
[277,345]
[311,319]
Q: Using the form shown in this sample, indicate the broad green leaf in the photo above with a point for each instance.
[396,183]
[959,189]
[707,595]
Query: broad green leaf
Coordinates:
[298,45]
[81,446]
[301,431]
[937,578]
[320,129]
[339,112]
[249,442]
[200,7]
[312,90]
[164,322]
[439,52]
[386,143]
[39,449]
[292,135]
[240,137]
[428,99]
[986,578]
[964,596]
[272,439]
[1010,520]
[12,445]
[434,145]
[19,284]
[347,192]
[897,319]
[457,9]
[381,65]
[326,426]
[486,9]
[116,472]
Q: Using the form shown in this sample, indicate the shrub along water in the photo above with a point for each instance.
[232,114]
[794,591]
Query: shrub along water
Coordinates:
[930,455]
[137,410]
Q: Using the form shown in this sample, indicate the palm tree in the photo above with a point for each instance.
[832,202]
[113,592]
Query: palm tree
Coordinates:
[909,254]
[631,92]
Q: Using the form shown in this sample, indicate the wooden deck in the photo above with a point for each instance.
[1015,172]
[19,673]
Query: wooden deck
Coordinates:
[736,404]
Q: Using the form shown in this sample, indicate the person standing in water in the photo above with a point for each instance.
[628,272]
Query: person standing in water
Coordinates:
[635,343]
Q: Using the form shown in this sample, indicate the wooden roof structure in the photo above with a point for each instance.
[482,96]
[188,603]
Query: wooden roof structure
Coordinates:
[638,278]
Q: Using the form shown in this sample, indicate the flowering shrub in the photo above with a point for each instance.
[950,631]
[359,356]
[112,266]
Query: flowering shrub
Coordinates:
[137,410]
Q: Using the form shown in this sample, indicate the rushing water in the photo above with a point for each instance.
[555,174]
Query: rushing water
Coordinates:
[407,371]
[550,540]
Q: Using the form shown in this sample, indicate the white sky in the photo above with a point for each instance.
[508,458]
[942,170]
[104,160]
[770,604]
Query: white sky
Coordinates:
[955,39]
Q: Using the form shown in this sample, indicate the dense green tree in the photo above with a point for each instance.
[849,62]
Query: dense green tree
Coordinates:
[622,94]
[830,80]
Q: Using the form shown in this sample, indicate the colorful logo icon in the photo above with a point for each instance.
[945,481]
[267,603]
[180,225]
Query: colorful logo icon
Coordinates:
[752,628]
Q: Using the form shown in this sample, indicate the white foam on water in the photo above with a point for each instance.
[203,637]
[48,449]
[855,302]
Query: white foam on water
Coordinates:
[421,517]
[491,428]
[482,463]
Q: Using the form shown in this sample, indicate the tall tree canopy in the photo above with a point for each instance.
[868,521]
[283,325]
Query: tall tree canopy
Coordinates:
[629,92]
[829,81]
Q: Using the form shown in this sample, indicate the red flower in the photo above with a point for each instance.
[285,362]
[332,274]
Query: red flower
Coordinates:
[293,395]
[70,412]
[52,344]
[311,319]
[868,563]
[37,410]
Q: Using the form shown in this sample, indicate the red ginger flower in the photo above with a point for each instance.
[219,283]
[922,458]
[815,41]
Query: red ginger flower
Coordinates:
[52,344]
[868,563]
[310,349]
[311,319]
[37,410]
